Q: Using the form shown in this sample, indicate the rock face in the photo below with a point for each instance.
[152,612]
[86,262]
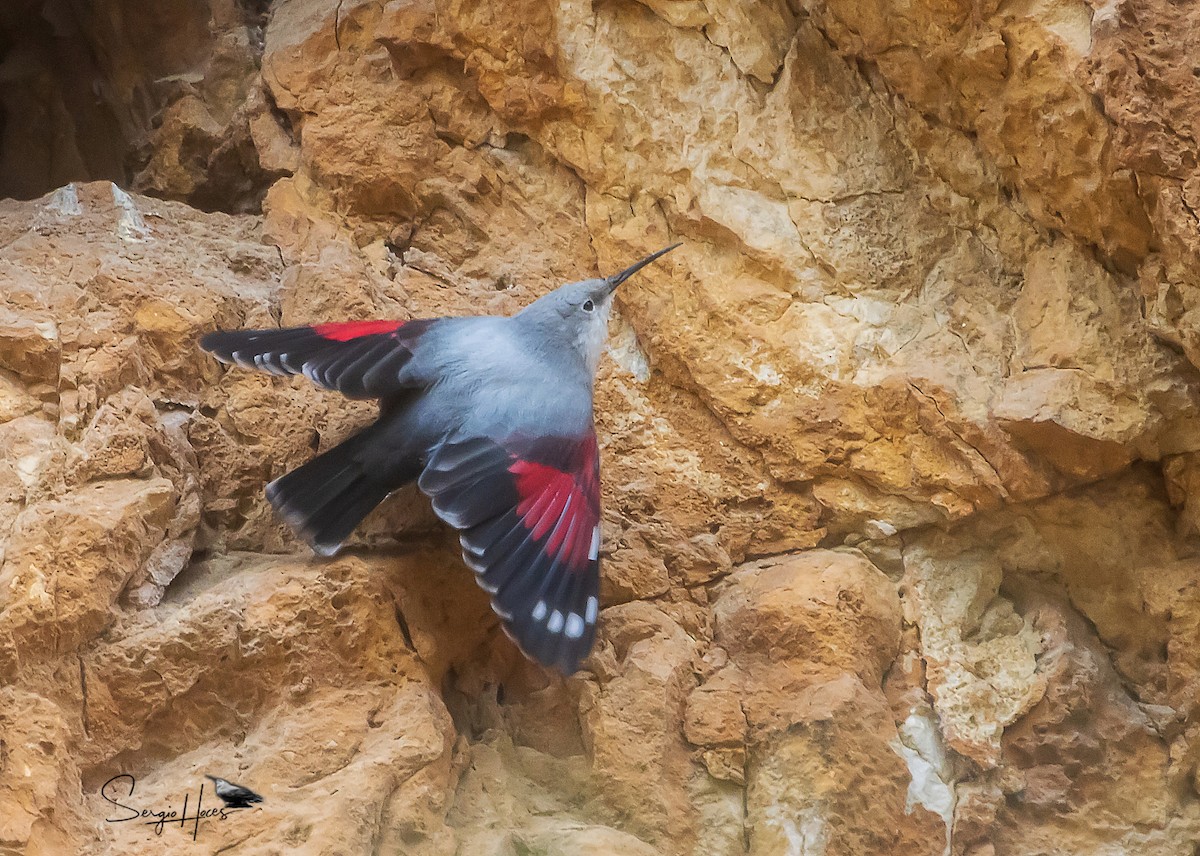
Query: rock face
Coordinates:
[901,449]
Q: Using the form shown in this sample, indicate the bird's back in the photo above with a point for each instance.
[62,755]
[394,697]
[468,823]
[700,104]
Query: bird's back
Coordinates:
[499,382]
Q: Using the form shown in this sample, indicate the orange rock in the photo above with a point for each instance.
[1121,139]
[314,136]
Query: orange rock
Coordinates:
[898,450]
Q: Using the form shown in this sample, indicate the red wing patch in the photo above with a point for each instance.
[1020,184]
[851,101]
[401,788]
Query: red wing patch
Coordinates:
[562,506]
[344,331]
[528,511]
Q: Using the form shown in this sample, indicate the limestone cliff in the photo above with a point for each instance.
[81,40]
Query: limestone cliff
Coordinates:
[901,449]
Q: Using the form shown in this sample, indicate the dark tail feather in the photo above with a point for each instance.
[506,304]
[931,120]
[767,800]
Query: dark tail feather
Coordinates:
[330,495]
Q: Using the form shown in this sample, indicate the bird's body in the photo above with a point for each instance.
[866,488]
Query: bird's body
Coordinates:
[492,416]
[234,796]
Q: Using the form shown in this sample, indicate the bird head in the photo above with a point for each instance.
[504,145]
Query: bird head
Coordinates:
[578,311]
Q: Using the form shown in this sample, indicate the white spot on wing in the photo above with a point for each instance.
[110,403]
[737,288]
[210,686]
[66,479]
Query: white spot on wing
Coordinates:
[593,608]
[595,549]
[539,611]
[263,361]
[574,628]
[555,623]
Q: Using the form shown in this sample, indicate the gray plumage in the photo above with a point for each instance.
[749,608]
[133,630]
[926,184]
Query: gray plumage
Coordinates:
[492,417]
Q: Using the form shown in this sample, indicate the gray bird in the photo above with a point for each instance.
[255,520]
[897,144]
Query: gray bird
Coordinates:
[234,796]
[492,416]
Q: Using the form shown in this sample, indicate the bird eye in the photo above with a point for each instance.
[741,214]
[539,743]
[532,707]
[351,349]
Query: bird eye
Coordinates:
[588,306]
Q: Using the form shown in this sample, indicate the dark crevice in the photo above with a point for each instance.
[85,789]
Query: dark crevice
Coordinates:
[160,103]
[287,120]
[402,622]
[83,688]
[56,123]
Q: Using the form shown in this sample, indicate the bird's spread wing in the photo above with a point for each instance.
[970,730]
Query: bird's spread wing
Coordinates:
[360,359]
[528,510]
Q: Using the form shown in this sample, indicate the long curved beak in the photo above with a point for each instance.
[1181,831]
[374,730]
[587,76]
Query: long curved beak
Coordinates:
[618,278]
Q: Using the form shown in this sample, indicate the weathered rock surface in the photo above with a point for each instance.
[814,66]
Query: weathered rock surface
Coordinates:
[901,479]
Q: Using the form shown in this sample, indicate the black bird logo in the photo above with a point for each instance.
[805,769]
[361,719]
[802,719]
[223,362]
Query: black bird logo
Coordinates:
[235,796]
